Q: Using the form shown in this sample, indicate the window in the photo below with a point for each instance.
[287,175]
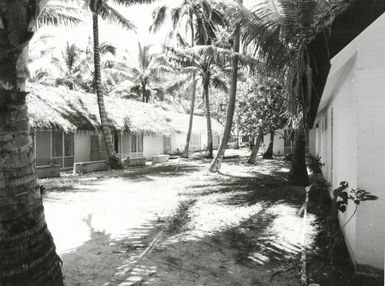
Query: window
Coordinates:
[57,143]
[63,148]
[195,142]
[134,139]
[136,143]
[116,143]
[166,144]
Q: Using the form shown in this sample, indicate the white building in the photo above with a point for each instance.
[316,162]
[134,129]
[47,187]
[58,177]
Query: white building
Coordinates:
[349,134]
[65,128]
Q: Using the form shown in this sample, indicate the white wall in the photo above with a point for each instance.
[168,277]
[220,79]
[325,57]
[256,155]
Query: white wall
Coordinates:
[352,143]
[152,145]
[82,142]
[370,83]
[279,143]
[178,141]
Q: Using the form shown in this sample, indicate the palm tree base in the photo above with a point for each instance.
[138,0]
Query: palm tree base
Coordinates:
[208,155]
[115,163]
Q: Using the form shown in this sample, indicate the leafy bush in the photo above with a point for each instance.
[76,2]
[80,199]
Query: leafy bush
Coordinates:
[314,163]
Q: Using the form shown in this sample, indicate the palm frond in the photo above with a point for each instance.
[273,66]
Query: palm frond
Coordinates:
[106,47]
[158,16]
[110,14]
[56,14]
[219,83]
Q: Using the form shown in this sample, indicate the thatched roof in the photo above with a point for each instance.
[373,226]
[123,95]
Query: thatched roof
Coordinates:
[52,107]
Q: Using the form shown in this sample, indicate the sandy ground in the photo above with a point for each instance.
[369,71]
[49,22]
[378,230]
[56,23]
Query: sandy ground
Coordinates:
[155,226]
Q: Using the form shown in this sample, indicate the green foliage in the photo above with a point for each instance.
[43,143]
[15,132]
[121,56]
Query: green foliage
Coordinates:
[73,68]
[314,163]
[342,196]
[280,32]
[146,79]
[262,104]
[197,16]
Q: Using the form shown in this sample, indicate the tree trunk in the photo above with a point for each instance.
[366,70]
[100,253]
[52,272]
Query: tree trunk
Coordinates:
[185,154]
[215,165]
[190,125]
[209,148]
[254,153]
[143,88]
[298,173]
[114,160]
[269,152]
[27,250]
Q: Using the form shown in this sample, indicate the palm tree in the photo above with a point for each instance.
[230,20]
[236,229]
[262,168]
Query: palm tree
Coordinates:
[216,163]
[200,19]
[147,76]
[107,12]
[27,250]
[209,63]
[282,31]
[72,67]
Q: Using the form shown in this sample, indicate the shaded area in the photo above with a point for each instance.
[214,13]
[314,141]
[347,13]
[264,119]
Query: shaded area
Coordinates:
[155,226]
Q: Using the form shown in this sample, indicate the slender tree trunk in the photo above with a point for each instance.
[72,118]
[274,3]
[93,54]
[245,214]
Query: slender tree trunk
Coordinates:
[269,152]
[185,154]
[27,250]
[190,125]
[143,92]
[215,165]
[209,148]
[114,160]
[298,173]
[254,153]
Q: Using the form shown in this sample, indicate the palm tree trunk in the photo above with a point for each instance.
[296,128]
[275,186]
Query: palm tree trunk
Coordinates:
[253,157]
[215,165]
[193,95]
[114,160]
[192,107]
[143,92]
[27,250]
[298,173]
[269,152]
[209,148]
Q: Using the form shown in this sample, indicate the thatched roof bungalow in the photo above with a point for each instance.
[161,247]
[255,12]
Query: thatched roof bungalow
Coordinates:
[66,127]
[60,108]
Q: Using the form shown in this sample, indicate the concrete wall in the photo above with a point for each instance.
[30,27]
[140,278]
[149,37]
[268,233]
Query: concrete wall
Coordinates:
[349,135]
[370,88]
[82,142]
[279,143]
[178,141]
[152,145]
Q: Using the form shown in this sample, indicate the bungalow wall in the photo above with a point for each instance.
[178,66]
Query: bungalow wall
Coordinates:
[349,135]
[82,147]
[278,145]
[178,141]
[152,145]
[128,145]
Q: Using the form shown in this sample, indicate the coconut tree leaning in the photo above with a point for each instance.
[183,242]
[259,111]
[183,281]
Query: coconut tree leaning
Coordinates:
[27,251]
[216,163]
[103,9]
[282,31]
[200,19]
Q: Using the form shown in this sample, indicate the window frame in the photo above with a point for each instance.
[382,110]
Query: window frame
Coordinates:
[63,157]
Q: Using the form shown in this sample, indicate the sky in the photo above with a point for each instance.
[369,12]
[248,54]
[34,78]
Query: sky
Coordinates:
[140,15]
